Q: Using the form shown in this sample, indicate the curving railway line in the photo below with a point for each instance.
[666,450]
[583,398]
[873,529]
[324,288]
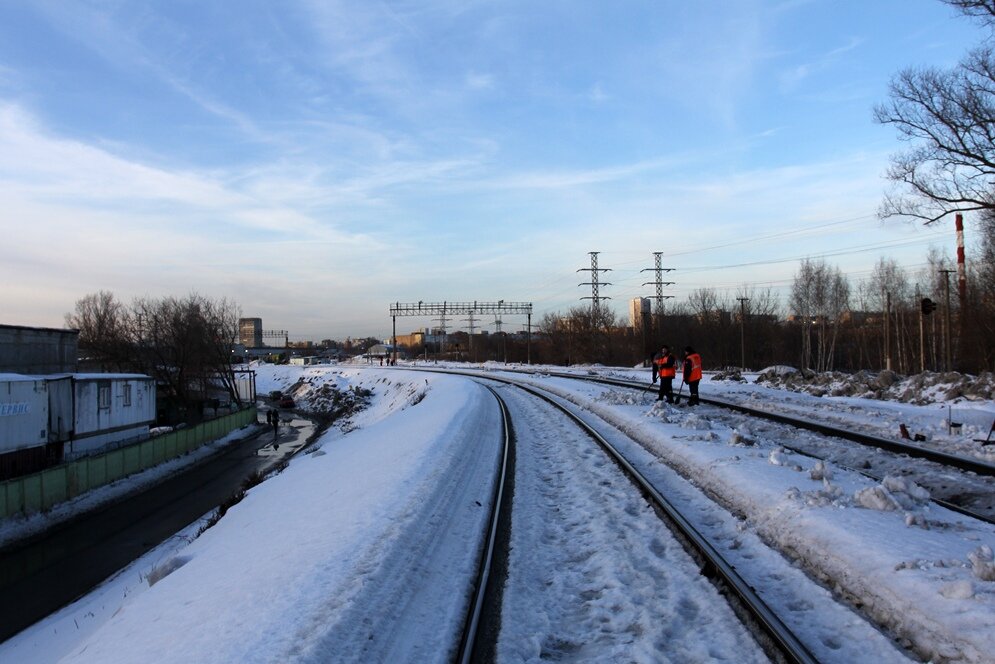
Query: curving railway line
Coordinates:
[773,635]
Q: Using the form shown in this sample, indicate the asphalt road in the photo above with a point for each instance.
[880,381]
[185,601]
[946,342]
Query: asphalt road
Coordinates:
[53,569]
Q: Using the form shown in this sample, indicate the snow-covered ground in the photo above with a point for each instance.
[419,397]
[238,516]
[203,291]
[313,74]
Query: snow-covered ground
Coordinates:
[304,569]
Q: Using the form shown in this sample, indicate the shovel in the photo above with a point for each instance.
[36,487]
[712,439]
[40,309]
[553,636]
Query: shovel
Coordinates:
[988,439]
[677,397]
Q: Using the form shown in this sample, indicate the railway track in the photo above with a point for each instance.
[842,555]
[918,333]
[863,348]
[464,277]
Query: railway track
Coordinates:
[775,638]
[959,463]
[815,573]
[898,447]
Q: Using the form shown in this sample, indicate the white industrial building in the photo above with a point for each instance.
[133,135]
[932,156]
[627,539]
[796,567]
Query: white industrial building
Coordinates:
[48,419]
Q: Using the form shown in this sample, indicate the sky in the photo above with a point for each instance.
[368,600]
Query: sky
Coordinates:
[316,161]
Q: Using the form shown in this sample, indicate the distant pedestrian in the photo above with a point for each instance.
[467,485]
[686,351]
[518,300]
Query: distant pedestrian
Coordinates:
[692,374]
[276,423]
[665,369]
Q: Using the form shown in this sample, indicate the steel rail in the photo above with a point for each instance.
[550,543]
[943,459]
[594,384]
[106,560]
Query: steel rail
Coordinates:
[778,639]
[979,467]
[472,624]
[951,460]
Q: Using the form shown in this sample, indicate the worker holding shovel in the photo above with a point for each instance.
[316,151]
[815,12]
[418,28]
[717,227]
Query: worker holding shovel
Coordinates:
[691,374]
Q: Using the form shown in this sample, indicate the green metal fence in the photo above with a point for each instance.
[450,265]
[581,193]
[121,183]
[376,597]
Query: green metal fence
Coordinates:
[40,491]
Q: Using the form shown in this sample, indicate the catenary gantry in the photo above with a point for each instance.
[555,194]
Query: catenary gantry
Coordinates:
[446,308]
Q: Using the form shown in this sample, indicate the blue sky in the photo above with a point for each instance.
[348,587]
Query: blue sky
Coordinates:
[316,161]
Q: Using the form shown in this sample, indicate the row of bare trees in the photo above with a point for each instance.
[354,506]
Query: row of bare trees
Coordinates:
[184,343]
[825,323]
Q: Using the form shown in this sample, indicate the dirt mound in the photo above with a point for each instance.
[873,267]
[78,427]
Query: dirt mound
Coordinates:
[919,389]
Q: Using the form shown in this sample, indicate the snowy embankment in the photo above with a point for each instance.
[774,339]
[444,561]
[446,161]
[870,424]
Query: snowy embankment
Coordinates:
[922,571]
[286,574]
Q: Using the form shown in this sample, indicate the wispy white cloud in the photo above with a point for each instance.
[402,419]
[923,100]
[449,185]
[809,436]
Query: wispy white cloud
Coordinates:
[97,28]
[566,179]
[597,94]
[475,81]
[793,76]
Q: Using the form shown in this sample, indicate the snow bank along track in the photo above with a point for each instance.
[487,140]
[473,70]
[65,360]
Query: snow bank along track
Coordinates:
[773,635]
[897,447]
[936,456]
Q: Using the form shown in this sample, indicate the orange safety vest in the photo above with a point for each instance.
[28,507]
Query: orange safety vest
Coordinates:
[666,365]
[695,374]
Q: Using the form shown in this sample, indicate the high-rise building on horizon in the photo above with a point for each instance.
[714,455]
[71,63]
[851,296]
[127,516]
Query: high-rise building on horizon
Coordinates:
[250,332]
[638,307]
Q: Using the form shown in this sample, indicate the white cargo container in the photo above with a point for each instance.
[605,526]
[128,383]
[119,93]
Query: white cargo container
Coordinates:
[109,409]
[23,412]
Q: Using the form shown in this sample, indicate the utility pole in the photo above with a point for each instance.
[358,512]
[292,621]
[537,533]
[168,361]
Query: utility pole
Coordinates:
[472,327]
[443,319]
[528,340]
[922,332]
[660,297]
[742,330]
[504,337]
[644,326]
[393,338]
[596,298]
[595,283]
[946,319]
[887,330]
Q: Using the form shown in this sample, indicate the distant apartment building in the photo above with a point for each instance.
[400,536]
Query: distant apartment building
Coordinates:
[250,332]
[638,307]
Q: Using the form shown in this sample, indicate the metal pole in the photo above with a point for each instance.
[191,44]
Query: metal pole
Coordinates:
[946,320]
[922,333]
[394,338]
[887,331]
[528,340]
[742,330]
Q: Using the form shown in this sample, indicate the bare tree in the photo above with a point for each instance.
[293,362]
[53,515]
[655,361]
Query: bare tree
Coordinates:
[820,295]
[948,117]
[101,321]
[184,343]
[984,10]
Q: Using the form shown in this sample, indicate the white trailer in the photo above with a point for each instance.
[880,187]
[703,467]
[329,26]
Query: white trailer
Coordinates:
[23,412]
[109,410]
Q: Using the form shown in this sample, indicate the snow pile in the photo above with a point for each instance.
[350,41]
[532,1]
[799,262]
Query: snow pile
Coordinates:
[733,375]
[963,589]
[829,494]
[920,389]
[821,471]
[737,439]
[777,457]
[893,494]
[696,422]
[983,563]
[344,394]
[622,398]
[321,395]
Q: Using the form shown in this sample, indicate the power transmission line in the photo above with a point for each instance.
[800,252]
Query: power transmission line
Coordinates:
[594,283]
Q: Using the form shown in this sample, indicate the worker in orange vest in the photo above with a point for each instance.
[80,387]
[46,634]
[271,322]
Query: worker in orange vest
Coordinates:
[692,374]
[665,368]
